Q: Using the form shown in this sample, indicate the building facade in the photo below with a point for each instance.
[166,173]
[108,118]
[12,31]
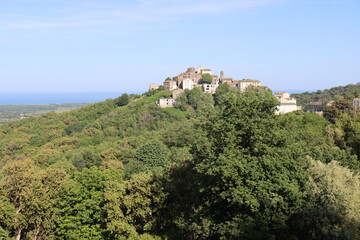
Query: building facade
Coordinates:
[170,85]
[188,84]
[166,102]
[245,83]
[210,88]
[316,107]
[287,103]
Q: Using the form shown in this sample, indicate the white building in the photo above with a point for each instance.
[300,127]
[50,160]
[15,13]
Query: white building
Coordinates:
[188,84]
[287,103]
[210,88]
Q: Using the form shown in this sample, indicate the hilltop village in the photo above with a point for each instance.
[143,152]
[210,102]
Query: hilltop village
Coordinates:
[208,82]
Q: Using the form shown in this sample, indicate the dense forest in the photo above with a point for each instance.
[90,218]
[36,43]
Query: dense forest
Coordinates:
[220,166]
[348,92]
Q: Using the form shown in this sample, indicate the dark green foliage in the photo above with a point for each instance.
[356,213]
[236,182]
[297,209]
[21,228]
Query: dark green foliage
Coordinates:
[337,108]
[75,127]
[245,182]
[153,154]
[86,158]
[195,99]
[123,100]
[81,201]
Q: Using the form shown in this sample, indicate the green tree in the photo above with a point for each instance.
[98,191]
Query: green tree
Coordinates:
[207,78]
[153,156]
[337,108]
[244,181]
[122,100]
[33,193]
[332,206]
[134,207]
[81,201]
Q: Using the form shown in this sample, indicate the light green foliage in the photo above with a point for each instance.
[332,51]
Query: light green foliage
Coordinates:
[133,207]
[222,92]
[81,202]
[332,209]
[347,133]
[32,191]
[206,78]
[195,99]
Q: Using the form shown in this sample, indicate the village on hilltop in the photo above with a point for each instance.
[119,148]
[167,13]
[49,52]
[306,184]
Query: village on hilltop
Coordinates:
[204,79]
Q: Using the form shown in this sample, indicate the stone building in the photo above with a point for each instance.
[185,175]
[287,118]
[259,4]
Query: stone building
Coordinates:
[245,83]
[191,74]
[176,93]
[316,107]
[170,85]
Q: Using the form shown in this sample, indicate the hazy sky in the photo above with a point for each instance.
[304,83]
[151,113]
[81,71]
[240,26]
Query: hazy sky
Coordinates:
[123,46]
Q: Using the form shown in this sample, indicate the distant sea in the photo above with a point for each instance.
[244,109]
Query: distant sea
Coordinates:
[73,97]
[54,98]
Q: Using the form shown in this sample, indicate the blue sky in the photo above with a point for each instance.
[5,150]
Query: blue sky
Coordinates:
[123,46]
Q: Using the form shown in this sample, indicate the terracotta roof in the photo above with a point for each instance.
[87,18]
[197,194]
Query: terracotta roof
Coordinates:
[356,99]
[279,93]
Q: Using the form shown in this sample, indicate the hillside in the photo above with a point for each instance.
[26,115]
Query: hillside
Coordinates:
[348,92]
[14,112]
[220,166]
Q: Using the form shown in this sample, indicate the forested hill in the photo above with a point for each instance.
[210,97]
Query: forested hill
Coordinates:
[220,166]
[348,92]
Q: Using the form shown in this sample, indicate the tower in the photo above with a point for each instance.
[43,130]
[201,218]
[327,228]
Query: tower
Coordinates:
[221,75]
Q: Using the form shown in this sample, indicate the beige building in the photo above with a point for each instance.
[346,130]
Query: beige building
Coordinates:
[281,95]
[154,86]
[190,73]
[166,102]
[245,83]
[176,93]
